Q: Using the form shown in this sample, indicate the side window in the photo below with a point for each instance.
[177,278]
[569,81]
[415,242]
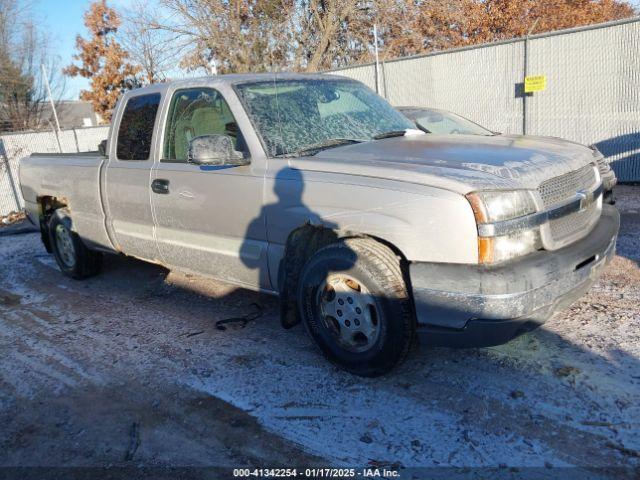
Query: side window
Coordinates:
[136,127]
[195,112]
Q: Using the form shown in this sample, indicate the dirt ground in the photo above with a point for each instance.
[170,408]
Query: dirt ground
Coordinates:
[129,369]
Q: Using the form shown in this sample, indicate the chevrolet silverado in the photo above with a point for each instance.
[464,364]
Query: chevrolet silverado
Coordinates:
[314,188]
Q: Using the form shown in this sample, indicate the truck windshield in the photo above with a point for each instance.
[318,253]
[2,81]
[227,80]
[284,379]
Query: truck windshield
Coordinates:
[302,117]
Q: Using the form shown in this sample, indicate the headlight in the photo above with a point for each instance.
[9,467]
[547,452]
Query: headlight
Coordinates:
[603,165]
[491,207]
[499,249]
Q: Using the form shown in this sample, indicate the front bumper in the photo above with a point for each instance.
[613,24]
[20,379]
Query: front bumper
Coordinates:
[477,305]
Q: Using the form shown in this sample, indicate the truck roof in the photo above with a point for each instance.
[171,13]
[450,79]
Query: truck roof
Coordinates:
[235,78]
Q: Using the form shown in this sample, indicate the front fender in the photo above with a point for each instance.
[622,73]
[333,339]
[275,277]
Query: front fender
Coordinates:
[426,224]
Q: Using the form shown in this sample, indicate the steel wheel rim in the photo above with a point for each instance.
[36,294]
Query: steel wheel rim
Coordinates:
[64,245]
[349,312]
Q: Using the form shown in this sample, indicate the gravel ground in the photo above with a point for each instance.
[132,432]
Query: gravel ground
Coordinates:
[128,368]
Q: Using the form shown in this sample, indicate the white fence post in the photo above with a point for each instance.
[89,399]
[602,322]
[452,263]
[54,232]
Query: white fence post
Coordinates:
[9,174]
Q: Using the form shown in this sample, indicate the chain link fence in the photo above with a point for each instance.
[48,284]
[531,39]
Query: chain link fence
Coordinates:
[592,94]
[14,146]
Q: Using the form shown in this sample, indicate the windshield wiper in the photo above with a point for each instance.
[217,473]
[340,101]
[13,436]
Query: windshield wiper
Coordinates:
[392,133]
[317,147]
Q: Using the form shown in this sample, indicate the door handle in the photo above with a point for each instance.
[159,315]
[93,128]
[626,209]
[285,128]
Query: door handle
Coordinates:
[160,185]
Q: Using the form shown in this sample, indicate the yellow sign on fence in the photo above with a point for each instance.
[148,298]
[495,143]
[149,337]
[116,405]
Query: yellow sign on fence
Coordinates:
[535,83]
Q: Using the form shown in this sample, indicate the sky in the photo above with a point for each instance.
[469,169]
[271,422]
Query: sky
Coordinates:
[62,20]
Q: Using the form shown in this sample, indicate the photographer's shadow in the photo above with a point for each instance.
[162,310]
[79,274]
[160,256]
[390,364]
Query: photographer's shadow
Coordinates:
[286,223]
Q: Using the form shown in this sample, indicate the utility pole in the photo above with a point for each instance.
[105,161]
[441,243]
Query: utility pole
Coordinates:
[53,107]
[12,183]
[377,67]
[526,61]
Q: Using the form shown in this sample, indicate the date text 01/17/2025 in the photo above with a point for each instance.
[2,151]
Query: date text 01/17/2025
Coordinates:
[315,473]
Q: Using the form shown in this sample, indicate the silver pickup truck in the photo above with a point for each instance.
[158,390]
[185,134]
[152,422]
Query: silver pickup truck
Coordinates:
[314,188]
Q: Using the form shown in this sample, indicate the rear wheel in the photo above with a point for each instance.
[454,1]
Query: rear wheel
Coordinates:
[73,257]
[355,305]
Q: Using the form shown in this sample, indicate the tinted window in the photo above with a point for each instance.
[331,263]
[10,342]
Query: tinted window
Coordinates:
[136,127]
[193,113]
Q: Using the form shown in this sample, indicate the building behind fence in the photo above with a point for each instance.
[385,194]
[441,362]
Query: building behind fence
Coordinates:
[14,146]
[592,94]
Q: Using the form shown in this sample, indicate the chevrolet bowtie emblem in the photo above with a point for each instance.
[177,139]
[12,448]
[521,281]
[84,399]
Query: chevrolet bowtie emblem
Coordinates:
[585,198]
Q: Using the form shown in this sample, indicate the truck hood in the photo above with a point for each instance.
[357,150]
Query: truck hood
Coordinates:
[460,163]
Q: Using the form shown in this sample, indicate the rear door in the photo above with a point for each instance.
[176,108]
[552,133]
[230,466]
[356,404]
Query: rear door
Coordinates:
[209,219]
[128,176]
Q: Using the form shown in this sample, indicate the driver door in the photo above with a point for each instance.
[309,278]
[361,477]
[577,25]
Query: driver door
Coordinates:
[206,215]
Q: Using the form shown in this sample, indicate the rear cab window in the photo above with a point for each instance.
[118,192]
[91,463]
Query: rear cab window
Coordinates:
[135,132]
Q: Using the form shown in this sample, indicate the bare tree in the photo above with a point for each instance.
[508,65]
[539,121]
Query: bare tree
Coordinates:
[158,51]
[236,35]
[268,35]
[329,32]
[23,50]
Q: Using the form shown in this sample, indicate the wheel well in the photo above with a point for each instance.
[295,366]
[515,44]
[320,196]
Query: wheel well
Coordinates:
[404,263]
[301,244]
[46,206]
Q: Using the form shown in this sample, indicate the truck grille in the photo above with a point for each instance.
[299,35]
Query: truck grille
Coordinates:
[558,190]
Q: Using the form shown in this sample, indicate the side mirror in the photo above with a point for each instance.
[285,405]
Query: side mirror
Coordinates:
[102,148]
[214,150]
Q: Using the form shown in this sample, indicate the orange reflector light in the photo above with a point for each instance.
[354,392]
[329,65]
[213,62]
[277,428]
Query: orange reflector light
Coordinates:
[485,245]
[478,208]
[485,250]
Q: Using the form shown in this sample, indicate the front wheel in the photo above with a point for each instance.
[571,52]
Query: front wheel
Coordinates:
[73,257]
[355,304]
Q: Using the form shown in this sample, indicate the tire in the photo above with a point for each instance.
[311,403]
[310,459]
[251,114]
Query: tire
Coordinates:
[73,257]
[355,304]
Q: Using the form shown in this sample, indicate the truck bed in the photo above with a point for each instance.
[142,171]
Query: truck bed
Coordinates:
[72,178]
